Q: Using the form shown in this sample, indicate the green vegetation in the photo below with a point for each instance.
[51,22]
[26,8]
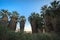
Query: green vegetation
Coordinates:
[27,36]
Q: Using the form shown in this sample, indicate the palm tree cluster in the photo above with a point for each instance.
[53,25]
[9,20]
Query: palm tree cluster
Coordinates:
[35,20]
[11,24]
[48,20]
[51,16]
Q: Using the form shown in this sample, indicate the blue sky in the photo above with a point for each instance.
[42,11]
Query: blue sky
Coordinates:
[24,7]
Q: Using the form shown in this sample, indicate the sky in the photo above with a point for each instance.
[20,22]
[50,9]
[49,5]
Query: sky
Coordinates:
[24,8]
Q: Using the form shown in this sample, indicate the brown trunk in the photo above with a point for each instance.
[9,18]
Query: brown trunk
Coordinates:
[54,23]
[33,26]
[4,23]
[5,19]
[22,24]
[12,24]
[57,28]
[48,23]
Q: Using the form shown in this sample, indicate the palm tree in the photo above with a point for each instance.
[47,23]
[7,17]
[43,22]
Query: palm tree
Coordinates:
[22,21]
[39,23]
[34,20]
[4,20]
[13,21]
[51,15]
[55,14]
[47,18]
[4,14]
[44,8]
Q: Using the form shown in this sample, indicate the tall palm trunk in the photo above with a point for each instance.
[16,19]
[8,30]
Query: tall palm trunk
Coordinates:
[4,23]
[33,26]
[48,23]
[57,24]
[13,21]
[12,24]
[22,24]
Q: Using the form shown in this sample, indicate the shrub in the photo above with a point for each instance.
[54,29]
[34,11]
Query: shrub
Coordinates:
[27,36]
